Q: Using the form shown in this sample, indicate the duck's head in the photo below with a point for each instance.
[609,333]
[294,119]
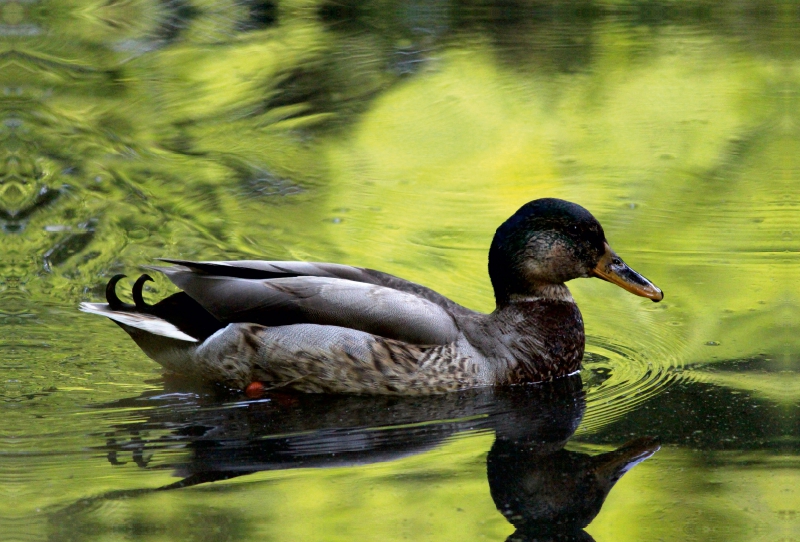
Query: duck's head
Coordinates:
[550,241]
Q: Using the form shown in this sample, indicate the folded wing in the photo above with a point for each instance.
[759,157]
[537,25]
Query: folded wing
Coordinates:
[326,300]
[258,269]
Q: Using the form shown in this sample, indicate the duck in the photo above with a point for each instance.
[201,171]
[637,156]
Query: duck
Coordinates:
[309,327]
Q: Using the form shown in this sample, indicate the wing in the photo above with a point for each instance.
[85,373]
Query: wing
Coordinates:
[340,302]
[257,269]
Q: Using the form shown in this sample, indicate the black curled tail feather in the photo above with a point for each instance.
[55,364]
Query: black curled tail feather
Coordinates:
[114,302]
[137,292]
[179,309]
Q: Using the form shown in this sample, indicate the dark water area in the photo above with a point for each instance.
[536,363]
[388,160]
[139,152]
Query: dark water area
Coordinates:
[397,136]
[544,490]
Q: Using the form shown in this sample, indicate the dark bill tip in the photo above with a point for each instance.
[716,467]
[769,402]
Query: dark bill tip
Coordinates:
[612,269]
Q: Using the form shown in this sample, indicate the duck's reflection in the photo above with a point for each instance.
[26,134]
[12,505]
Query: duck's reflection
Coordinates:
[552,494]
[545,491]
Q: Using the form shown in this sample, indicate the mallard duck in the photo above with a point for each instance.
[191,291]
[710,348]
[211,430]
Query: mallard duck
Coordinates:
[323,327]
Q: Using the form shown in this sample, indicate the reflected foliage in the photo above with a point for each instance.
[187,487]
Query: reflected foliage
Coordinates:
[396,135]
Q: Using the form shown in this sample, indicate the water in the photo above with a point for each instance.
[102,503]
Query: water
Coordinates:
[398,136]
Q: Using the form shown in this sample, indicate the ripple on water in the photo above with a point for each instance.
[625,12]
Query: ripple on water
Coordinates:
[619,377]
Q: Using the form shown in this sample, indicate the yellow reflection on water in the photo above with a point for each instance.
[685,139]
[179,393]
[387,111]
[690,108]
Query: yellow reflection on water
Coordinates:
[298,140]
[693,496]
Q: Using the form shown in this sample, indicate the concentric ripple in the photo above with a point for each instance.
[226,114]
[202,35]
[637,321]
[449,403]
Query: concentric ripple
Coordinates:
[619,378]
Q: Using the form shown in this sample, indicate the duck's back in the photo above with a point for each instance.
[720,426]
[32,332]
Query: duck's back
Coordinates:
[324,300]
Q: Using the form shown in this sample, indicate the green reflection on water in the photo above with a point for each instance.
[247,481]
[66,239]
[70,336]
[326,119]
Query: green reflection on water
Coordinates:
[397,136]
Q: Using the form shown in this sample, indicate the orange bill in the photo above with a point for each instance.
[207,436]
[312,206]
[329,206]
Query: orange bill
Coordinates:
[614,270]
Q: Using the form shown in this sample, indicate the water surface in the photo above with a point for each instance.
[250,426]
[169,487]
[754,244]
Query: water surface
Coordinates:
[398,135]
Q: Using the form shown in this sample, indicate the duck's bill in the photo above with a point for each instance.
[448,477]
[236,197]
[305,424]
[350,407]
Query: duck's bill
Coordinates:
[614,270]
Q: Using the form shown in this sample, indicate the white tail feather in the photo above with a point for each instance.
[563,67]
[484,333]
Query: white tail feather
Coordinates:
[145,322]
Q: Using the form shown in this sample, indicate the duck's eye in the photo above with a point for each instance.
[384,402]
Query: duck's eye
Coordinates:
[616,261]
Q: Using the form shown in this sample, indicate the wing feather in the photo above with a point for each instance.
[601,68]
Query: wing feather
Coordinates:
[258,269]
[319,300]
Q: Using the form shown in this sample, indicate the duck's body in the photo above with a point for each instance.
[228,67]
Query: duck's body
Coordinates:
[335,328]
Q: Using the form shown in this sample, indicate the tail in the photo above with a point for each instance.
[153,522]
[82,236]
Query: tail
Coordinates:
[136,316]
[144,322]
[168,332]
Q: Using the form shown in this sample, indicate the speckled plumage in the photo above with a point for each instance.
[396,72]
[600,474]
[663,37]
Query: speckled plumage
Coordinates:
[316,327]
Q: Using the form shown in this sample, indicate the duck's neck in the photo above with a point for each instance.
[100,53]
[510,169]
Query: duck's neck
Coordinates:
[549,292]
[541,334]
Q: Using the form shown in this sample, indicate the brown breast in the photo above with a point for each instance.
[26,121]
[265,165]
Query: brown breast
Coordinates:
[543,338]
